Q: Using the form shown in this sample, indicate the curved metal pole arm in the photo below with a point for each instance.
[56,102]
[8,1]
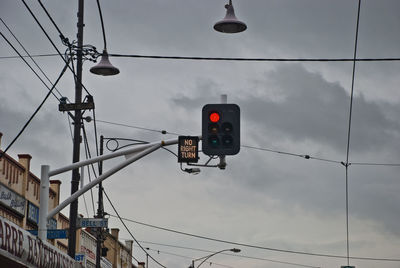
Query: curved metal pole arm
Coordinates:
[131,155]
[102,177]
[110,156]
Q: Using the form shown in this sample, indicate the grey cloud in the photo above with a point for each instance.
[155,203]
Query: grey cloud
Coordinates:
[309,108]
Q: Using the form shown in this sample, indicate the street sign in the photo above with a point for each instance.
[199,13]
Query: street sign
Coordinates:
[81,258]
[53,234]
[92,222]
[188,149]
[63,107]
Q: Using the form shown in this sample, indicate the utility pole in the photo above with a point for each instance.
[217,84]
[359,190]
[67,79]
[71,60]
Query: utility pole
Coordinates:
[73,211]
[100,209]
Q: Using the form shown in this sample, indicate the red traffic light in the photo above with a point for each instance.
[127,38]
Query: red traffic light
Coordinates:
[214,117]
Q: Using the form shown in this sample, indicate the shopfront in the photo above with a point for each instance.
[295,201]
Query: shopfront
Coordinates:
[18,248]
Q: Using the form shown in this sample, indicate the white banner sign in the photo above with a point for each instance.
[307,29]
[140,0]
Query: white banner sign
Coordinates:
[20,246]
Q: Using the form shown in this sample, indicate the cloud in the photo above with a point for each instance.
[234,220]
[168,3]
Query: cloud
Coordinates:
[296,104]
[296,108]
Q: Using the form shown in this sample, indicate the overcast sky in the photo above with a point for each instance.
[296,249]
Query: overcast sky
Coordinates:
[264,198]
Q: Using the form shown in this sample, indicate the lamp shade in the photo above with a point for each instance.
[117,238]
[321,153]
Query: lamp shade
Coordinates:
[230,24]
[104,67]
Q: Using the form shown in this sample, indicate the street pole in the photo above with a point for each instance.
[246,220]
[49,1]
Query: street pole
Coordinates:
[222,158]
[100,209]
[235,250]
[44,202]
[73,212]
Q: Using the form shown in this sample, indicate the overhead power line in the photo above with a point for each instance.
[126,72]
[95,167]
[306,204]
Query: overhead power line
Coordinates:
[126,227]
[231,58]
[186,257]
[304,156]
[250,59]
[136,127]
[53,22]
[36,111]
[258,247]
[30,56]
[26,51]
[52,42]
[88,156]
[374,164]
[30,67]
[346,165]
[235,255]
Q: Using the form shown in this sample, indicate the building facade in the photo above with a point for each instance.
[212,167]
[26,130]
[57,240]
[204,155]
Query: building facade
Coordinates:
[19,207]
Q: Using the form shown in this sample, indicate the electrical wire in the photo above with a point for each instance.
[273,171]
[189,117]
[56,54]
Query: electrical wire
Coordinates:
[35,112]
[304,156]
[373,164]
[95,132]
[88,156]
[244,146]
[53,22]
[26,56]
[136,127]
[259,247]
[52,42]
[349,132]
[70,128]
[102,25]
[37,65]
[186,257]
[236,255]
[30,67]
[230,58]
[86,207]
[126,227]
[250,59]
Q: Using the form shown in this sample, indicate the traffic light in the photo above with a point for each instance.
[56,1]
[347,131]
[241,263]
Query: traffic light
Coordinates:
[221,129]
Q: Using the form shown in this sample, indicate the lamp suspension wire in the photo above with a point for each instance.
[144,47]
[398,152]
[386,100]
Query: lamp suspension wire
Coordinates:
[102,24]
[349,132]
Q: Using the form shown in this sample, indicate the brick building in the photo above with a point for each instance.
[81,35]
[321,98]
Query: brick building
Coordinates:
[19,205]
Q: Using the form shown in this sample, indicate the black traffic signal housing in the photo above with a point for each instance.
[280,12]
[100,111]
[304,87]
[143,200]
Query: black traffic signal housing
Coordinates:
[221,129]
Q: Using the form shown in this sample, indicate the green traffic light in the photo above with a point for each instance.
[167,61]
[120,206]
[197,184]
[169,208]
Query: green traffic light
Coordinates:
[213,141]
